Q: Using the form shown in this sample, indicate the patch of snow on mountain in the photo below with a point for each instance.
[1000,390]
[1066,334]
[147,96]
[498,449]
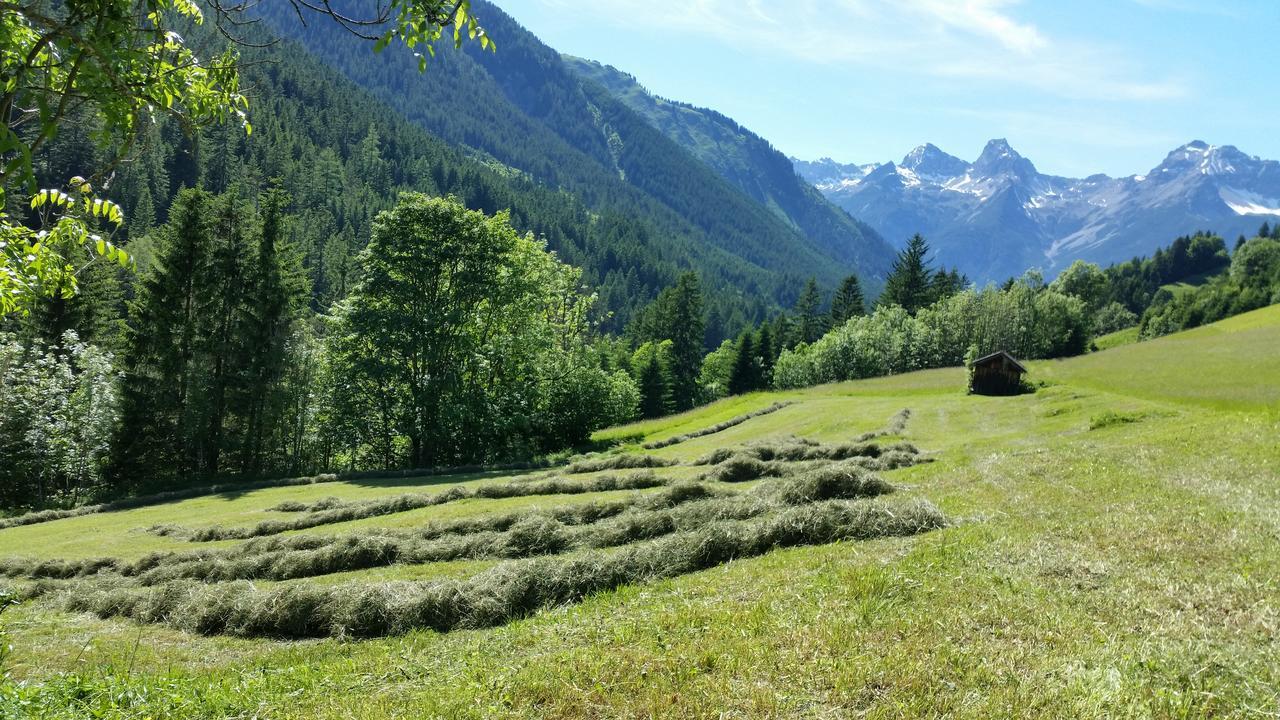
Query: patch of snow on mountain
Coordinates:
[969,185]
[1243,202]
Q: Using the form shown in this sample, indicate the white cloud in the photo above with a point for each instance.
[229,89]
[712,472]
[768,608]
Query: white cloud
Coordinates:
[965,40]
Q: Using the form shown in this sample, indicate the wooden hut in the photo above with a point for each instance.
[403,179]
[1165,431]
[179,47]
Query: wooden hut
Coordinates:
[997,374]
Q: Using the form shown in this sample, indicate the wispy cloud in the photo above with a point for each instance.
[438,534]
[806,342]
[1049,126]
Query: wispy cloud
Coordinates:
[972,40]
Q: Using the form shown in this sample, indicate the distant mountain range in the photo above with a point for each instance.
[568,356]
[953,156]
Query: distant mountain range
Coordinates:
[997,216]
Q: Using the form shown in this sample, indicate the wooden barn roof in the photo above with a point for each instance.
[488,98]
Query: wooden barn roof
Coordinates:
[997,355]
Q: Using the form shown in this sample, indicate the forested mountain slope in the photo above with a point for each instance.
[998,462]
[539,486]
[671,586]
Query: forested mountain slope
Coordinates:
[525,109]
[343,155]
[751,164]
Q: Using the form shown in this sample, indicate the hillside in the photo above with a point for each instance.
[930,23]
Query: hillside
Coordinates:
[1078,578]
[999,215]
[524,109]
[751,164]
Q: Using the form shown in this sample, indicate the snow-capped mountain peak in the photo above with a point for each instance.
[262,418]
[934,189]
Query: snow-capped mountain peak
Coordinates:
[998,215]
[928,161]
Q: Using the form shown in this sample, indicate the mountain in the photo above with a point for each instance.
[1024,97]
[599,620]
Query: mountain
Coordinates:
[998,216]
[749,163]
[523,112]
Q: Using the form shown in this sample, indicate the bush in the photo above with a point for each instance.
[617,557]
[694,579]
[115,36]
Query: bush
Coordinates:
[1113,317]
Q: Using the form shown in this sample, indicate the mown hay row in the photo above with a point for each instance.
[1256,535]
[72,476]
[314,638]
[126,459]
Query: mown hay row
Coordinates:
[581,514]
[681,508]
[508,591]
[800,449]
[620,461]
[718,427]
[897,424]
[414,501]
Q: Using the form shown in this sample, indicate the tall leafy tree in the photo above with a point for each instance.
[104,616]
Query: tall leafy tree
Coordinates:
[430,269]
[848,301]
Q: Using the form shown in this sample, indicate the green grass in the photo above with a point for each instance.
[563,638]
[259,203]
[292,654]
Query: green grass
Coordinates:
[1125,571]
[1128,336]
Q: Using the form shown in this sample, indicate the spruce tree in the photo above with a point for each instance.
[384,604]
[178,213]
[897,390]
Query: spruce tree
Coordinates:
[224,285]
[158,435]
[275,296]
[848,301]
[768,354]
[745,375]
[909,285]
[653,388]
[1265,230]
[684,328]
[812,325]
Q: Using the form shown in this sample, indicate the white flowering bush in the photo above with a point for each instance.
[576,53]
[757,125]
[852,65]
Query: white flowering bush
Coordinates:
[61,404]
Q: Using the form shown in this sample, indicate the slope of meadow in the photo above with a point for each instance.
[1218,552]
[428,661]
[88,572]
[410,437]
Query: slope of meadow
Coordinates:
[1112,551]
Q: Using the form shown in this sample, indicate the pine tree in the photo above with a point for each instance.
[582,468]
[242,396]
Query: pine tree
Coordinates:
[224,285]
[158,435]
[812,324]
[1265,230]
[768,354]
[946,283]
[275,296]
[909,283]
[745,375]
[683,326]
[654,391]
[848,301]
[143,217]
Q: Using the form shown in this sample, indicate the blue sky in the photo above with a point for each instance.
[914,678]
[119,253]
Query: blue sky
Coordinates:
[1077,86]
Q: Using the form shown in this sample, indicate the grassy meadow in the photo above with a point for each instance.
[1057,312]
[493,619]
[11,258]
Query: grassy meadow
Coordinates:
[1113,551]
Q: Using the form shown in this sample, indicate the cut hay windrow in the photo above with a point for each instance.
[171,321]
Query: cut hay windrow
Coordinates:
[620,461]
[897,424]
[800,449]
[535,533]
[414,501]
[681,508]
[508,591]
[718,427]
